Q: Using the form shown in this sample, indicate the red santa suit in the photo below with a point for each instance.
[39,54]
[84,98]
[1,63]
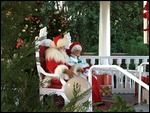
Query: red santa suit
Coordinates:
[56,61]
[96,96]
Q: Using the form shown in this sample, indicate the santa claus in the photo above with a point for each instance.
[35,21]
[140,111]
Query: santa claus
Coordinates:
[57,58]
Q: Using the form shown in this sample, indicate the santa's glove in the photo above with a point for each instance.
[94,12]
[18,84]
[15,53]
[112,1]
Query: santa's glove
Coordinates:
[69,73]
[80,70]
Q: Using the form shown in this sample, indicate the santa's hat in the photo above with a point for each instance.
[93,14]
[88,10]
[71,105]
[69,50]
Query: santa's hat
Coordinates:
[75,46]
[59,41]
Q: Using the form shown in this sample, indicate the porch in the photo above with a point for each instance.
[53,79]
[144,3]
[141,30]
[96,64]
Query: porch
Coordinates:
[123,85]
[130,99]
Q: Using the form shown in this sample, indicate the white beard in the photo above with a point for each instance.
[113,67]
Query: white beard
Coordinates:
[64,54]
[58,56]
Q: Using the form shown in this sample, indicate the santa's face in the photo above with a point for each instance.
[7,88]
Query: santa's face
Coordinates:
[62,49]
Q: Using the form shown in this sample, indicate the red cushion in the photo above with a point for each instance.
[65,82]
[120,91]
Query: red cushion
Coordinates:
[55,83]
[42,56]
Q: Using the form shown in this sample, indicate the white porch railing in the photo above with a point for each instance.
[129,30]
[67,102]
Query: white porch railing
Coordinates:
[120,82]
[125,72]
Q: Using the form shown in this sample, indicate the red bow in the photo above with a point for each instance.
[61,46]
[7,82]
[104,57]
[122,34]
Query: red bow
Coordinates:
[146,15]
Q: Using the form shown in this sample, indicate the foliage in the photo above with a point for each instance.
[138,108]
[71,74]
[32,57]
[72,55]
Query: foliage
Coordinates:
[54,18]
[18,20]
[119,105]
[26,97]
[80,18]
[84,23]
[19,82]
[137,48]
[126,24]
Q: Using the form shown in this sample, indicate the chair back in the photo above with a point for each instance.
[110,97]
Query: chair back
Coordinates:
[56,85]
[41,44]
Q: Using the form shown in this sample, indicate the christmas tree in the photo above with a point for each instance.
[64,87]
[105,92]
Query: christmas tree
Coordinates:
[19,79]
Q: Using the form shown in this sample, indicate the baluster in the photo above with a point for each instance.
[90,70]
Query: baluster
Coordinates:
[99,61]
[115,79]
[118,80]
[144,60]
[110,61]
[102,61]
[119,61]
[136,62]
[127,79]
[127,61]
[112,83]
[92,61]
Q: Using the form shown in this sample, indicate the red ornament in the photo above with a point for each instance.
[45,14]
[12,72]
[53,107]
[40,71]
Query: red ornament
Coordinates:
[20,42]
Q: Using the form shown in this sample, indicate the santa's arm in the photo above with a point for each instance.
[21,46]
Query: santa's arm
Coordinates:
[51,65]
[56,68]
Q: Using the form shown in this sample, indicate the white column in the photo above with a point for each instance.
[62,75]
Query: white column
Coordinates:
[145,24]
[104,29]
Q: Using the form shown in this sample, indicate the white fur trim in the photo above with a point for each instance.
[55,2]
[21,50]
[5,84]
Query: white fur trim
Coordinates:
[53,44]
[61,42]
[59,71]
[75,67]
[76,47]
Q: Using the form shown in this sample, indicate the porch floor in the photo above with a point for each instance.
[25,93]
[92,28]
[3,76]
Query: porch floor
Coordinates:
[130,99]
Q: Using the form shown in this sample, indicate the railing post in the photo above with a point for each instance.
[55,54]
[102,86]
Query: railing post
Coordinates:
[140,74]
